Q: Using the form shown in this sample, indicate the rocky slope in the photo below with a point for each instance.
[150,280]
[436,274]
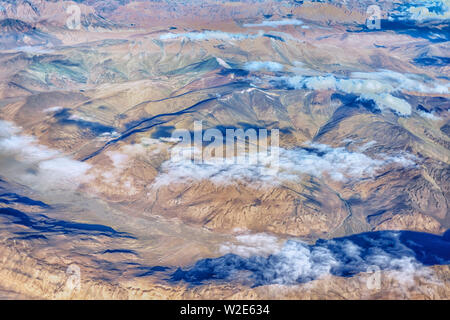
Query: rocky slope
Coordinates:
[87,116]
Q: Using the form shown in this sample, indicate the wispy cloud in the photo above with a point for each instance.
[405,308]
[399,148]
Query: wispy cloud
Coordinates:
[318,160]
[111,176]
[376,86]
[263,65]
[52,109]
[31,163]
[210,35]
[405,81]
[423,10]
[247,245]
[387,101]
[339,163]
[429,115]
[275,23]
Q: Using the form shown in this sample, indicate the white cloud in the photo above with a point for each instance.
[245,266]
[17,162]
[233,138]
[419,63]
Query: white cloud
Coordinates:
[388,101]
[76,117]
[118,159]
[223,63]
[295,261]
[365,146]
[112,176]
[112,134]
[375,86]
[24,159]
[424,10]
[247,245]
[23,148]
[405,81]
[330,82]
[210,35]
[338,163]
[275,23]
[61,172]
[423,13]
[429,115]
[52,109]
[263,65]
[170,139]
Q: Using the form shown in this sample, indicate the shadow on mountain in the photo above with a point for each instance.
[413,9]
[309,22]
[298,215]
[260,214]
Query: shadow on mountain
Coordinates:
[15,33]
[351,105]
[11,198]
[432,32]
[44,224]
[412,28]
[95,128]
[144,271]
[437,61]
